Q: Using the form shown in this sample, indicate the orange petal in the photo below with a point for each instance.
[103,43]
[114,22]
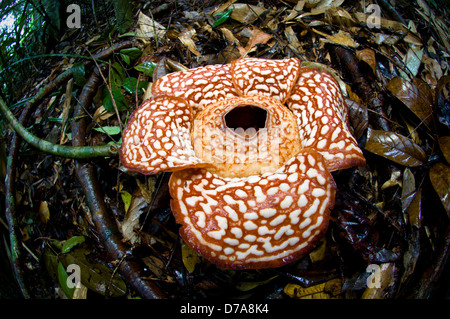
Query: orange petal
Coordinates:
[317,102]
[271,78]
[199,87]
[259,221]
[157,137]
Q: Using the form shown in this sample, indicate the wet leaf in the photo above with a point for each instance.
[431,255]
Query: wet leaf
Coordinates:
[416,95]
[146,68]
[395,147]
[415,210]
[408,189]
[411,199]
[440,178]
[95,276]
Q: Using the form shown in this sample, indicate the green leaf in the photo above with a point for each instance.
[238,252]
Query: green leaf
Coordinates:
[129,84]
[71,242]
[395,147]
[146,68]
[125,58]
[62,279]
[117,74]
[133,53]
[126,198]
[223,17]
[79,73]
[110,130]
[121,103]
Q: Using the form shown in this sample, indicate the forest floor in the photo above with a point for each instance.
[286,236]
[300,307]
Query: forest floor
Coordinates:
[393,63]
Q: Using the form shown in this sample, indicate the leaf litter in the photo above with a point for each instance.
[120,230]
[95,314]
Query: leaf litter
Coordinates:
[389,213]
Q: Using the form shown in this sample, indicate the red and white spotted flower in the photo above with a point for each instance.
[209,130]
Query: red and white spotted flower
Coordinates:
[251,145]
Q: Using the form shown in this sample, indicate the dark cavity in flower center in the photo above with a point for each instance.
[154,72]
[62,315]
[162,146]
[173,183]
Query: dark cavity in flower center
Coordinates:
[247,118]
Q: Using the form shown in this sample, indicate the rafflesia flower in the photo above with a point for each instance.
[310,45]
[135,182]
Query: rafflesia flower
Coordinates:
[251,145]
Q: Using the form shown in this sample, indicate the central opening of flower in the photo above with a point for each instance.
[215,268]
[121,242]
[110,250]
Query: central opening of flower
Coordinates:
[248,118]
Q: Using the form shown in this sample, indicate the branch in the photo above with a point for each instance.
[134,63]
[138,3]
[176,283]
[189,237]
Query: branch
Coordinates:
[104,223]
[56,149]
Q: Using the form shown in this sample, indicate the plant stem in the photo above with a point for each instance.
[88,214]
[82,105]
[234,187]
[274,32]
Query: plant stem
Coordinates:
[56,149]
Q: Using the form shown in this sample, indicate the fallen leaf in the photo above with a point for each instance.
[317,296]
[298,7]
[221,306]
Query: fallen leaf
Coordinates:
[415,210]
[412,61]
[131,221]
[190,257]
[395,147]
[440,178]
[293,40]
[245,13]
[342,38]
[358,116]
[416,95]
[149,28]
[44,212]
[444,144]
[368,56]
[186,38]
[408,189]
[320,6]
[326,290]
[394,180]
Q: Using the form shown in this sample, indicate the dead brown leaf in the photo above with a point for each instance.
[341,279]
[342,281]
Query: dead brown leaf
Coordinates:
[416,95]
[395,147]
[440,178]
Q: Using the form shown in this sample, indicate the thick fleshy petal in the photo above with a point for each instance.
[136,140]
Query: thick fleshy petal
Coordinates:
[317,102]
[271,78]
[200,86]
[260,221]
[157,137]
